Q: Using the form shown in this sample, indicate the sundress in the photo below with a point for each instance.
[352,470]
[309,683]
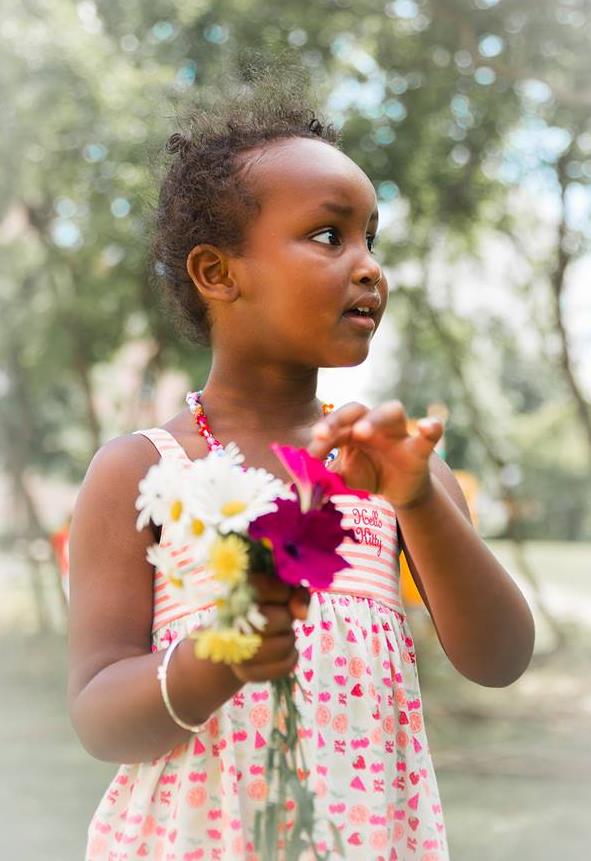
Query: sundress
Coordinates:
[363,731]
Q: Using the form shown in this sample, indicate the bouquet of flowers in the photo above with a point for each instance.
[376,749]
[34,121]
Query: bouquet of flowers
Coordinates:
[234,521]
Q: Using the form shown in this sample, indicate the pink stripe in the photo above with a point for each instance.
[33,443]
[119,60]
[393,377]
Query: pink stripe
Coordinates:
[381,506]
[166,620]
[387,536]
[389,600]
[179,551]
[368,575]
[369,570]
[376,579]
[169,606]
[368,566]
[390,546]
[368,557]
[385,561]
[364,583]
[186,563]
[384,564]
[164,600]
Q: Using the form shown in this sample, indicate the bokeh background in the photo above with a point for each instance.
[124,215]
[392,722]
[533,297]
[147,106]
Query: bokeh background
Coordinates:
[473,119]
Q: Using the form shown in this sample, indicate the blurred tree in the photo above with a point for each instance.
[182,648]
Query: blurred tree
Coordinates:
[435,100]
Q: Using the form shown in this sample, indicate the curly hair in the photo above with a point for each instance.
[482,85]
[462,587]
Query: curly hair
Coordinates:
[203,196]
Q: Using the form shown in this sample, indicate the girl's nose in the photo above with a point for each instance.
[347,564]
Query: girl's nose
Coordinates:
[368,271]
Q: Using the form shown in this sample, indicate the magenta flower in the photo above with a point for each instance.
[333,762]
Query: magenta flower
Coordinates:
[303,543]
[314,482]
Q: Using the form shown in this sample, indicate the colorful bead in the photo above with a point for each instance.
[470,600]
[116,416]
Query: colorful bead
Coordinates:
[193,401]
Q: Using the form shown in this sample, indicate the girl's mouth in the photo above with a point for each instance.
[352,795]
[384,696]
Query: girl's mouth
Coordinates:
[360,319]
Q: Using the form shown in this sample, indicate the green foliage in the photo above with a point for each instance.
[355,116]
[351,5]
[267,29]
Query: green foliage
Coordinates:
[429,95]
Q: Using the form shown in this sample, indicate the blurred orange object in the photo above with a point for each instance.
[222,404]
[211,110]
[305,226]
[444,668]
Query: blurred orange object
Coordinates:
[411,596]
[59,542]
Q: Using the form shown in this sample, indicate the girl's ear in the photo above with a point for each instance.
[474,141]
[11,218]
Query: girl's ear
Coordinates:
[208,269]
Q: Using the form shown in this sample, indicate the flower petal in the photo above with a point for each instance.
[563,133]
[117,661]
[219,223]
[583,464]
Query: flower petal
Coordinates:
[313,480]
[304,544]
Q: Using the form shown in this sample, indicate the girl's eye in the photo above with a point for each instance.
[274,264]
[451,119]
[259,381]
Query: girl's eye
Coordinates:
[333,234]
[330,231]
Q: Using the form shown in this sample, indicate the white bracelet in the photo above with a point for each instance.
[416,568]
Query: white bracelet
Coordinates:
[161,673]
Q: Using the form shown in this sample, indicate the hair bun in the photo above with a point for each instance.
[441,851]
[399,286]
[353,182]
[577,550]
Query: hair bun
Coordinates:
[315,126]
[178,143]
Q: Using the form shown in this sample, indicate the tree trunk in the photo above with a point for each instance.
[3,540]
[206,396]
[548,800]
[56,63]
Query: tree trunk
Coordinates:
[28,523]
[558,284]
[455,358]
[83,371]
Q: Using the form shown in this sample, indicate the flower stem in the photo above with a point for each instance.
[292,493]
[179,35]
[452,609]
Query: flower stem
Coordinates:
[282,773]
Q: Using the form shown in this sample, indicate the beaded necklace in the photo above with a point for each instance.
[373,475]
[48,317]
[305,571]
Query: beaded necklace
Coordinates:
[195,404]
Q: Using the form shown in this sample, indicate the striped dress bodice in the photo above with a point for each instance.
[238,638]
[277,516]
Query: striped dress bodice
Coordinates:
[374,571]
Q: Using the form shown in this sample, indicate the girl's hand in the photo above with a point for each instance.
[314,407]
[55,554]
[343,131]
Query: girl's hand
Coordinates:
[280,604]
[377,452]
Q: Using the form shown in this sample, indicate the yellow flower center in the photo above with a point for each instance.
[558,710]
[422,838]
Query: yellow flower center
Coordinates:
[234,506]
[176,509]
[197,527]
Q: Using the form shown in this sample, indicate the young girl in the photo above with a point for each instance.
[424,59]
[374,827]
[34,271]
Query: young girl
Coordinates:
[263,239]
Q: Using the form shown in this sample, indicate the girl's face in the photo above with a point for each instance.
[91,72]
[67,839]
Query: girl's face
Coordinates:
[307,260]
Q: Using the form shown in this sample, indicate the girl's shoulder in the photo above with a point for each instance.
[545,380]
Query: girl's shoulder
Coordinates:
[110,487]
[127,457]
[111,579]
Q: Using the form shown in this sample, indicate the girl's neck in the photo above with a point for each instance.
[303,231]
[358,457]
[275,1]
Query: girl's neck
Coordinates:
[263,398]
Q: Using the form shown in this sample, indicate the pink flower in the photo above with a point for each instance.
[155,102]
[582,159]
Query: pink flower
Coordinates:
[314,482]
[304,544]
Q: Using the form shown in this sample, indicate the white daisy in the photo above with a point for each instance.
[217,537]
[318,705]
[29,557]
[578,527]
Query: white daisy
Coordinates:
[229,497]
[199,593]
[163,560]
[162,494]
[192,529]
[185,586]
[233,453]
[254,620]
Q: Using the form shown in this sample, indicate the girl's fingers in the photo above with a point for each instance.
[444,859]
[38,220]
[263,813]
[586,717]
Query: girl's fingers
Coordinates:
[335,429]
[429,432]
[299,603]
[355,423]
[430,428]
[275,658]
[279,619]
[266,672]
[388,419]
[269,589]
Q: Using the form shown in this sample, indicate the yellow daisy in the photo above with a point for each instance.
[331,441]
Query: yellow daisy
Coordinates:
[226,646]
[228,559]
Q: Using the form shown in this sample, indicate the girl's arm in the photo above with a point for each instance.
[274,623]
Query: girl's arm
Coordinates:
[113,693]
[482,620]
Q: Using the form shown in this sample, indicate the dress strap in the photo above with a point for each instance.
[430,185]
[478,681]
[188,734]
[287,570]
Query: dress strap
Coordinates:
[163,441]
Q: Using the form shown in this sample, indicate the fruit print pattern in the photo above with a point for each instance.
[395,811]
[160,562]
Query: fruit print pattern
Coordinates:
[362,729]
